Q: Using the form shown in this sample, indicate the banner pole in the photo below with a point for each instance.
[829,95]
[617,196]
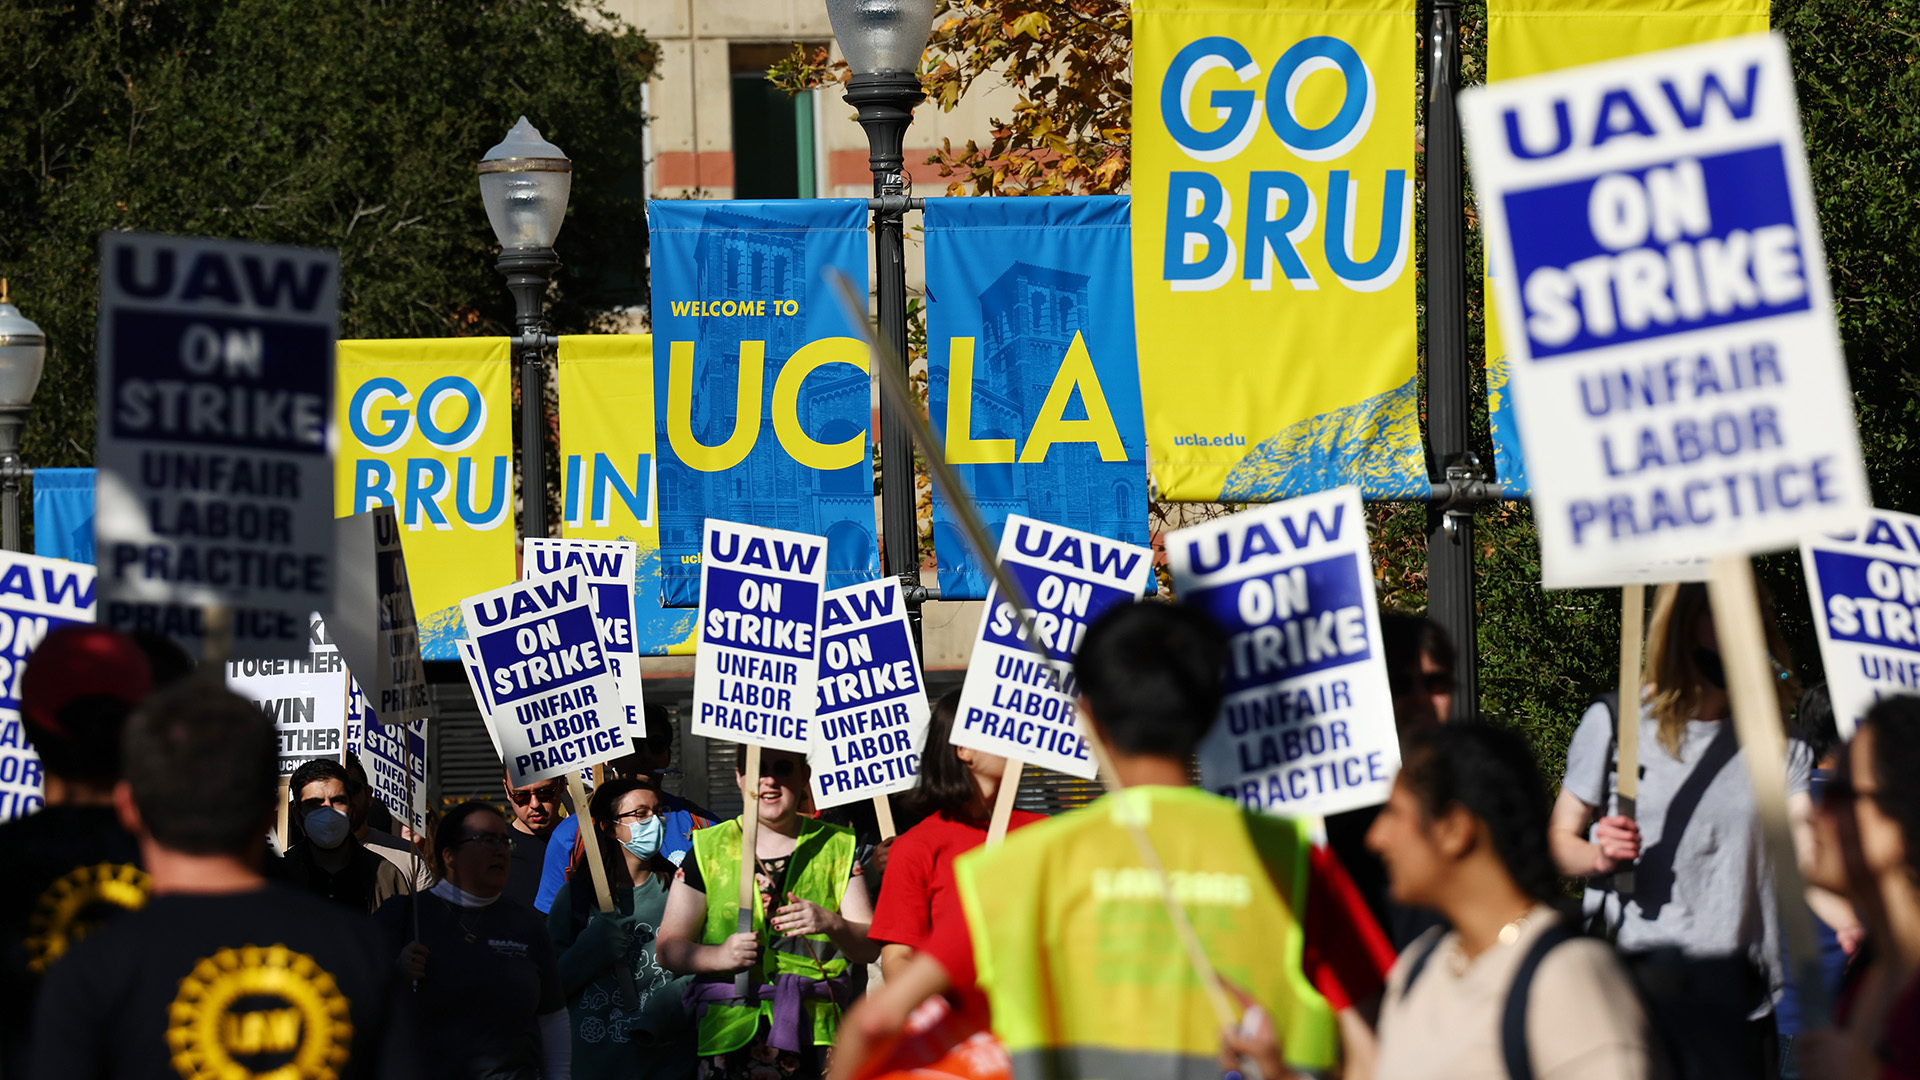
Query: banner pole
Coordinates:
[1756,719]
[1003,802]
[1633,612]
[749,857]
[883,809]
[286,798]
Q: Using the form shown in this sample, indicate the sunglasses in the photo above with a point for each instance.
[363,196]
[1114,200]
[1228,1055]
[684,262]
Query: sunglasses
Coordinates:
[1437,682]
[548,793]
[1842,793]
[781,769]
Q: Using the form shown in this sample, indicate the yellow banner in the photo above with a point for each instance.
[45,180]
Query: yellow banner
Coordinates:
[1273,246]
[609,476]
[1528,37]
[426,427]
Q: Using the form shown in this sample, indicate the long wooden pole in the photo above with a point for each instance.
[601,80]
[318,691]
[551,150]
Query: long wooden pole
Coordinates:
[893,387]
[1756,719]
[1003,802]
[1633,612]
[749,841]
[596,860]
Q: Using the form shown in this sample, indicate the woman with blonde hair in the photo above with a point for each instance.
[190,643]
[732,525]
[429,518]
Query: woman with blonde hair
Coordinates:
[1699,901]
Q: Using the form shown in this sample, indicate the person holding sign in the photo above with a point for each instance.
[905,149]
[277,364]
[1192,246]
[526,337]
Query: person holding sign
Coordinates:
[953,802]
[1703,885]
[1465,833]
[614,1036]
[1116,994]
[487,996]
[797,953]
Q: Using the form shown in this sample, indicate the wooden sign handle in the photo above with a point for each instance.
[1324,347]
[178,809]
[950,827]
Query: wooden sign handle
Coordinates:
[749,841]
[1633,614]
[1003,802]
[286,800]
[596,859]
[883,810]
[1756,719]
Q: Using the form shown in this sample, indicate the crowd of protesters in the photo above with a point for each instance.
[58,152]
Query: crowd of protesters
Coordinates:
[150,930]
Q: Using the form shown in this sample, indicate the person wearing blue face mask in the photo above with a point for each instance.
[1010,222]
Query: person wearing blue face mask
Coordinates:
[629,1014]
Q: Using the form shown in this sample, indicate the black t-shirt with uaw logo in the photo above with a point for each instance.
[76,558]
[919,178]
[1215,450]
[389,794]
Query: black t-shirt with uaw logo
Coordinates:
[68,870]
[230,986]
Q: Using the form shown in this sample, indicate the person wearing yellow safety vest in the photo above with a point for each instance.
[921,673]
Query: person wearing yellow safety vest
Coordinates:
[1064,928]
[797,960]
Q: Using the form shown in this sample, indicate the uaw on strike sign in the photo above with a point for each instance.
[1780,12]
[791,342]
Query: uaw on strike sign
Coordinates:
[872,722]
[755,675]
[216,469]
[1013,703]
[1663,294]
[1306,725]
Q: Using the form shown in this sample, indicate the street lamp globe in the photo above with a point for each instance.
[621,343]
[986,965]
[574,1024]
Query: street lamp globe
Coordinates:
[881,35]
[524,182]
[23,355]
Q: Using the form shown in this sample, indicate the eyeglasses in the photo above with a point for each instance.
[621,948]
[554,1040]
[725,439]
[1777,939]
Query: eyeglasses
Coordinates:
[545,793]
[493,840]
[641,813]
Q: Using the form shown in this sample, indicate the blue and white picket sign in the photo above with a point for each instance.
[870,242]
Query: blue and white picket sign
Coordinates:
[215,402]
[1864,585]
[608,566]
[555,705]
[37,596]
[756,671]
[1013,704]
[397,771]
[1307,723]
[872,720]
[1664,300]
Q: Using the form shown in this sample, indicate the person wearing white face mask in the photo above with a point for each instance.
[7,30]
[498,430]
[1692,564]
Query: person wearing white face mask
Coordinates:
[630,1018]
[329,860]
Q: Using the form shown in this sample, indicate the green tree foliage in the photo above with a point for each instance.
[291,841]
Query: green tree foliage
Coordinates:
[348,124]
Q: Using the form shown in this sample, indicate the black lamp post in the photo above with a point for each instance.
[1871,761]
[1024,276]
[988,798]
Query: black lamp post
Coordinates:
[524,182]
[23,357]
[882,41]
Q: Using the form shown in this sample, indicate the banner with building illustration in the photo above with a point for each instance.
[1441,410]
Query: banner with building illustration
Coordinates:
[1033,383]
[609,472]
[1273,182]
[762,397]
[426,427]
[1528,37]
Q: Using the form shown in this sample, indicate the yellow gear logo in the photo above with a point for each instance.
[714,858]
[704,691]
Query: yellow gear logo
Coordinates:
[259,1013]
[72,907]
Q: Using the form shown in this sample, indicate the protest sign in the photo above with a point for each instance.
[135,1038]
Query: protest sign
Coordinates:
[1012,704]
[1306,726]
[555,706]
[306,699]
[37,596]
[372,617]
[872,719]
[215,484]
[754,675]
[1864,585]
[397,770]
[608,566]
[1664,302]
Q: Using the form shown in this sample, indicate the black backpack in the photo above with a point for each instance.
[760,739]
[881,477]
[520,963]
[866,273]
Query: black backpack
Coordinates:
[1513,1015]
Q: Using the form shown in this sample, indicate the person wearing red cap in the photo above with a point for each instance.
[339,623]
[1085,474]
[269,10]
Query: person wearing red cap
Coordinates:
[70,867]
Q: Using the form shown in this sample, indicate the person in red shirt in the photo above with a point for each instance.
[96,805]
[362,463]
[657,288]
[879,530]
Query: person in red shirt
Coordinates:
[953,804]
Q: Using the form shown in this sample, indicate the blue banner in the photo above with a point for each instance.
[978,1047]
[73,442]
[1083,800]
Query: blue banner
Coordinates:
[63,514]
[762,393]
[1033,381]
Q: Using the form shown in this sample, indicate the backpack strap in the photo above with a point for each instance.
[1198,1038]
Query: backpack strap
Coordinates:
[1419,964]
[1513,1019]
